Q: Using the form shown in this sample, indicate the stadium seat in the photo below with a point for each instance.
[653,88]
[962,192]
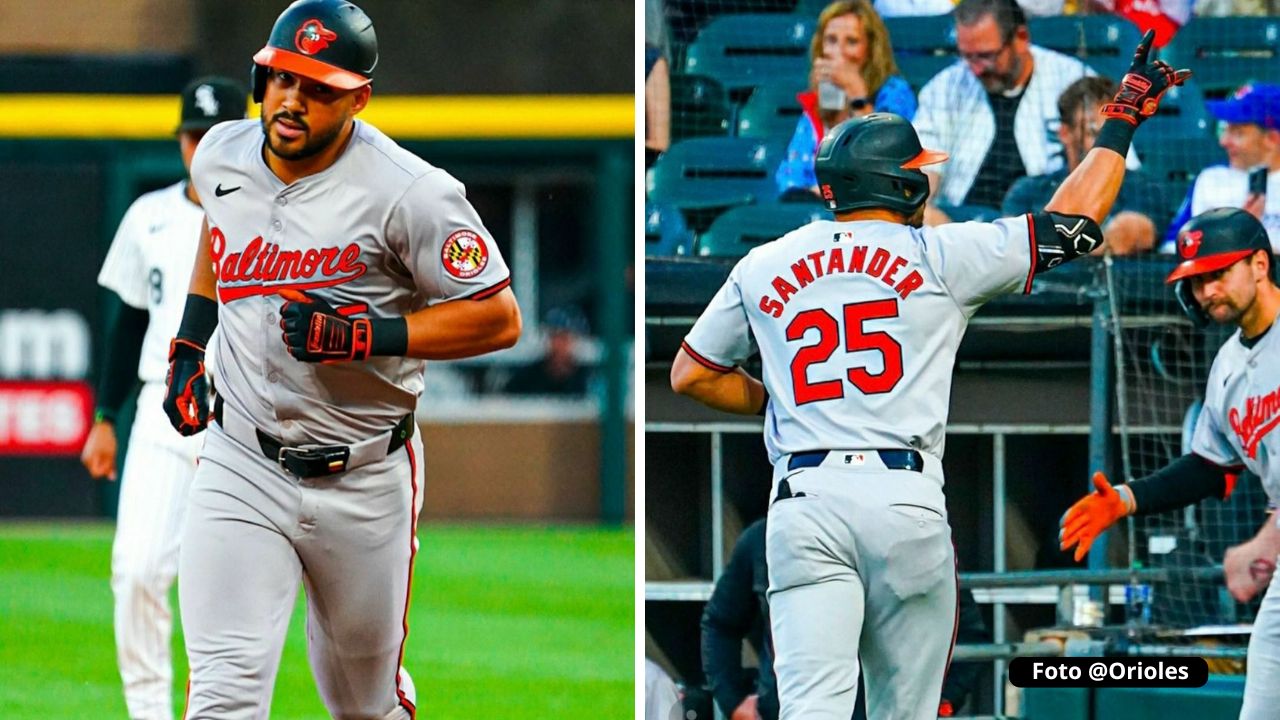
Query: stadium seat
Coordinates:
[734,233]
[699,107]
[665,232]
[1181,115]
[743,51]
[1177,166]
[771,112]
[1105,42]
[1227,52]
[705,173]
[922,45]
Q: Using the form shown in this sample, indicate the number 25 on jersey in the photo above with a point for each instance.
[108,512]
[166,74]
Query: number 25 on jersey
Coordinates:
[856,339]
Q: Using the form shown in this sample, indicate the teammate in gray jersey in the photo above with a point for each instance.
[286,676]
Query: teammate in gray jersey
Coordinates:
[145,276]
[1228,276]
[340,263]
[857,323]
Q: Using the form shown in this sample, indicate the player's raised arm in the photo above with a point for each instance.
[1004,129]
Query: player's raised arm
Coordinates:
[1091,189]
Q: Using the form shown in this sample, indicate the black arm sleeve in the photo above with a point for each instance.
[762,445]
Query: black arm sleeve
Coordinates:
[1060,238]
[726,621]
[125,327]
[1182,482]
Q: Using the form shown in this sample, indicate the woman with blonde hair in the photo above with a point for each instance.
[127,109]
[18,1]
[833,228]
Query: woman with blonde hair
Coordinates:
[852,74]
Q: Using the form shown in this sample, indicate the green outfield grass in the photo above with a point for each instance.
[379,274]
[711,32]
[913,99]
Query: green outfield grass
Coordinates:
[507,622]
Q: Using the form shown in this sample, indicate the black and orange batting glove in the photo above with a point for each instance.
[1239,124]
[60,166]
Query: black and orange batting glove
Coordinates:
[1093,514]
[1143,86]
[186,387]
[315,331]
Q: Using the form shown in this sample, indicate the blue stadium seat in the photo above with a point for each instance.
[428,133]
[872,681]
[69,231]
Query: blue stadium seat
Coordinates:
[699,107]
[771,112]
[1177,166]
[705,173]
[743,51]
[1105,42]
[922,45]
[665,232]
[734,233]
[1182,115]
[1227,52]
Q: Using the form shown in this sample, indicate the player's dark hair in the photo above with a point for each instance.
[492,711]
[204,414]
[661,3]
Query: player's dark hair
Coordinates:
[1085,93]
[1007,14]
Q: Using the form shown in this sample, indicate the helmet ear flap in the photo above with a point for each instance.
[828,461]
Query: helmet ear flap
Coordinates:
[259,82]
[1187,301]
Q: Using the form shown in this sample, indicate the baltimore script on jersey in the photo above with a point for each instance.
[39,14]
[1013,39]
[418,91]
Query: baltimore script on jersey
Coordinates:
[841,259]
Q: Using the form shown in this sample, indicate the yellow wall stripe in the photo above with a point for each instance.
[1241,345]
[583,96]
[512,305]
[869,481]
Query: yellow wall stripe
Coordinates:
[461,117]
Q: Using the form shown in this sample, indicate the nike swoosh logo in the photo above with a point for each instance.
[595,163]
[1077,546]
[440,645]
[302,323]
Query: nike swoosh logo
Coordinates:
[220,192]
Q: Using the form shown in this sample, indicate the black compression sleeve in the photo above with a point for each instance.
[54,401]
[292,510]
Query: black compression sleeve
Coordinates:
[1116,135]
[1182,482]
[199,319]
[125,327]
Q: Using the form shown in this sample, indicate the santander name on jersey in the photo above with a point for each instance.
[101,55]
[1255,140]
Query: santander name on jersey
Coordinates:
[873,262]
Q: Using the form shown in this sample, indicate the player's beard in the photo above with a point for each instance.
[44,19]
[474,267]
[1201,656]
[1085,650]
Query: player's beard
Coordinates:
[312,145]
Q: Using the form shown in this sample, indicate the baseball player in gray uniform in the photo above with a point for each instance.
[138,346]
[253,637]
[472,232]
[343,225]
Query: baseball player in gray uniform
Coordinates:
[1227,275]
[340,262]
[145,276]
[857,323]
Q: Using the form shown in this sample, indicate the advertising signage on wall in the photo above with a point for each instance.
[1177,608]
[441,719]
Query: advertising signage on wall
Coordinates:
[46,404]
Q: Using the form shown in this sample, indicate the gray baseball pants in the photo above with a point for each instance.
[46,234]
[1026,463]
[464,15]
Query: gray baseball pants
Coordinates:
[861,565]
[253,532]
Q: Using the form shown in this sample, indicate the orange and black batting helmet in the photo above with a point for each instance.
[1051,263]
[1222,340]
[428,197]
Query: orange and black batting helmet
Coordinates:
[329,41]
[1216,239]
[874,161]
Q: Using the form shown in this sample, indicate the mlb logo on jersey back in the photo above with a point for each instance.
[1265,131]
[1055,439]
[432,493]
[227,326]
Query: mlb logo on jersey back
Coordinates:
[855,459]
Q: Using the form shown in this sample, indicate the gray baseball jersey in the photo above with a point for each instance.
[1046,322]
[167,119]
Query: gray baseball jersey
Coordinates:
[1241,408]
[379,233]
[1236,427]
[858,325]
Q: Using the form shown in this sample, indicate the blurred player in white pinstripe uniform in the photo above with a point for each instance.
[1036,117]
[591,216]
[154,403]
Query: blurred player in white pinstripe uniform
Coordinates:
[145,276]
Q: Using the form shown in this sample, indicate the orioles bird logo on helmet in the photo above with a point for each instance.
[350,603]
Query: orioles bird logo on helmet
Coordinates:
[313,37]
[1189,243]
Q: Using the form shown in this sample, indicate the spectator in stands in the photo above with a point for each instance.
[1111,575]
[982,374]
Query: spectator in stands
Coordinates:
[1166,17]
[993,111]
[738,610]
[908,8]
[1251,137]
[657,84]
[852,73]
[558,372]
[1138,217]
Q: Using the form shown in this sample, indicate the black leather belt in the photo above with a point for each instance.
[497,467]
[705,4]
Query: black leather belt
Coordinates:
[893,459]
[317,460]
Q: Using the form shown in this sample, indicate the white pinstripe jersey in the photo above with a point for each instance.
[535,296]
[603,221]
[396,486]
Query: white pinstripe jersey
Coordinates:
[379,233]
[1242,409]
[149,267]
[857,325]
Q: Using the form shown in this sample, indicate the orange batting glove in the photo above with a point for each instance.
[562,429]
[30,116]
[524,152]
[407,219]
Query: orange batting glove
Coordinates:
[1093,514]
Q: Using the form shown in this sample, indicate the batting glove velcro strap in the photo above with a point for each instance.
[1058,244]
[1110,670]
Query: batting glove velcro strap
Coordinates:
[314,331]
[1093,514]
[1143,86]
[186,387]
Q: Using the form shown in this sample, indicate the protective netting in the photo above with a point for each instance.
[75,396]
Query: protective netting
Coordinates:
[1163,363]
